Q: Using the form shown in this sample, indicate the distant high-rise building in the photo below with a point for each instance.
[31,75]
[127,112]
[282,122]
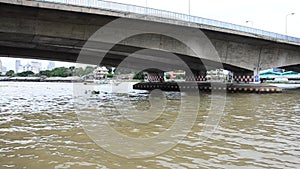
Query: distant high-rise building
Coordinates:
[51,66]
[36,67]
[0,67]
[4,69]
[27,67]
[18,66]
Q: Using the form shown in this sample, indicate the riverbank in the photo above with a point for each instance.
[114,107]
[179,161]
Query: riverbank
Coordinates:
[168,86]
[39,79]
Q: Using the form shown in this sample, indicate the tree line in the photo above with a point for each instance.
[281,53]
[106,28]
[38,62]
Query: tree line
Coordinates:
[56,72]
[73,71]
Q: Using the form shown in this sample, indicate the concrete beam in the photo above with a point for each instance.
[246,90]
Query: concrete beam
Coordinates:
[117,14]
[295,68]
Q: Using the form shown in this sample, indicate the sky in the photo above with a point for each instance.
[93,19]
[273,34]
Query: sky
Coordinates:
[269,15]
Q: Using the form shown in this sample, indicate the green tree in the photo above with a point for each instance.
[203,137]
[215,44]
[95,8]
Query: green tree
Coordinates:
[10,73]
[139,76]
[180,76]
[60,72]
[168,76]
[72,69]
[25,74]
[120,71]
[88,70]
[78,71]
[45,73]
[110,75]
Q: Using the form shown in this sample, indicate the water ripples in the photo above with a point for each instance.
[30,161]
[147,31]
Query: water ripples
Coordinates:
[39,128]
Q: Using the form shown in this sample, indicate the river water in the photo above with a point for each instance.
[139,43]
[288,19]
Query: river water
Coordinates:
[39,128]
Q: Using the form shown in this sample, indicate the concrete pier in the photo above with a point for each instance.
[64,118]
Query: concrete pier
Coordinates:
[206,86]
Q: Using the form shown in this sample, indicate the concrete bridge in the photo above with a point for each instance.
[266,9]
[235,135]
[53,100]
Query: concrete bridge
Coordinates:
[42,29]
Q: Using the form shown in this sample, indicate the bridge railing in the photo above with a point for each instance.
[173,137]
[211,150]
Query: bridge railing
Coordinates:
[126,8]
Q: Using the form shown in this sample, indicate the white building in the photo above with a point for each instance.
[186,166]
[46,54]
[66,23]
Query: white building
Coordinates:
[34,66]
[27,67]
[100,73]
[219,75]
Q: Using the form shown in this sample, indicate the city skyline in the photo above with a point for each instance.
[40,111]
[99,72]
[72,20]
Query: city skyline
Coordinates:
[10,63]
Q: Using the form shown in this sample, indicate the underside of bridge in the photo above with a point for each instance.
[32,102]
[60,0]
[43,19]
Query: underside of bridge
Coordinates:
[295,68]
[25,34]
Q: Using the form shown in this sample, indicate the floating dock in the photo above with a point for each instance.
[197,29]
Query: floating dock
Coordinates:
[207,86]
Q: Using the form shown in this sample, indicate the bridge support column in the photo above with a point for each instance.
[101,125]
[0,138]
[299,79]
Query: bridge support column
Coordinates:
[196,76]
[256,78]
[155,76]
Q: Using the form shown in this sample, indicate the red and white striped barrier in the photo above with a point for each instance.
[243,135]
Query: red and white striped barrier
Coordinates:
[243,78]
[155,78]
[195,78]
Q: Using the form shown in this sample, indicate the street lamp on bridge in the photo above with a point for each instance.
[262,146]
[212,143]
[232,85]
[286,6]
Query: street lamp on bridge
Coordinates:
[286,17]
[146,7]
[250,22]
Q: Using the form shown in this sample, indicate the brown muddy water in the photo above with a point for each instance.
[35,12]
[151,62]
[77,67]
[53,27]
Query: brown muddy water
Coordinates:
[39,128]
